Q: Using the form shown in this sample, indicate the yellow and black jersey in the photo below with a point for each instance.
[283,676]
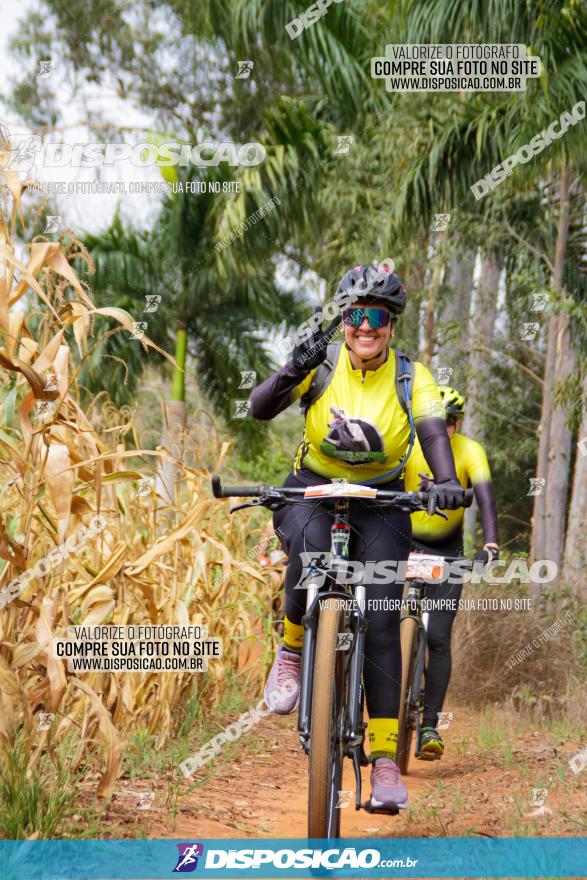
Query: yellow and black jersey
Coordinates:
[357,429]
[472,469]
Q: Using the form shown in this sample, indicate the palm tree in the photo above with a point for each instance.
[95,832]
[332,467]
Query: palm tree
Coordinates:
[218,302]
[328,63]
[481,131]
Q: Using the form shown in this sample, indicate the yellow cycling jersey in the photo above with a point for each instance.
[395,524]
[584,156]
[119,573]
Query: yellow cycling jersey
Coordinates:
[471,466]
[357,430]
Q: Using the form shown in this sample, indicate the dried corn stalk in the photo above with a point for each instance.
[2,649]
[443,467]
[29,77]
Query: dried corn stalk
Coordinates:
[58,470]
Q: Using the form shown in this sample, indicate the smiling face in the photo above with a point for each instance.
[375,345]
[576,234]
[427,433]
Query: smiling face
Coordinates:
[366,342]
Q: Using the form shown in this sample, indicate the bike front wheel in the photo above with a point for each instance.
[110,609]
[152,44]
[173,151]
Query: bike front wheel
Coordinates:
[408,634]
[326,745]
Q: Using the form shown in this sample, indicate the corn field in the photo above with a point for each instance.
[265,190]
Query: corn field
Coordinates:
[61,466]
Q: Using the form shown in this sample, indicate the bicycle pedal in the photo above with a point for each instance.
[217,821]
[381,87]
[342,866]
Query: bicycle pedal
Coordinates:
[427,756]
[387,811]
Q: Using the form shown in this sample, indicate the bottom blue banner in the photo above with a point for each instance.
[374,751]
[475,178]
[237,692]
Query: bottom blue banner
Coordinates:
[380,857]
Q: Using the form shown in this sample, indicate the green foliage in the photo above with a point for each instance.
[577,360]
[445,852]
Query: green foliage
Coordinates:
[410,158]
[33,800]
[270,466]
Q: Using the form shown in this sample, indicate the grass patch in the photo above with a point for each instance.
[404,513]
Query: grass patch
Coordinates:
[35,800]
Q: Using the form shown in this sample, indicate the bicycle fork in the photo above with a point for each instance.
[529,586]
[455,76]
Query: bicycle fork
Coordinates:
[339,554]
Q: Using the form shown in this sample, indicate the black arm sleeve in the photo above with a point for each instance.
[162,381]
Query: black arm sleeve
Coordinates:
[436,447]
[485,497]
[275,394]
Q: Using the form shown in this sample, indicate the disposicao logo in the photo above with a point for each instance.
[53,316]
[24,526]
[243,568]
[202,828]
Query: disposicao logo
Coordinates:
[187,861]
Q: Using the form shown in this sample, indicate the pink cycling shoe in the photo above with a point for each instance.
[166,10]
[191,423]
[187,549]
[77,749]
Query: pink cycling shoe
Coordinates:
[387,787]
[282,690]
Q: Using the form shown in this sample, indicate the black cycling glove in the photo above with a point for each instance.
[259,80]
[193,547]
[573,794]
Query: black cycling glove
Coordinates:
[446,495]
[311,353]
[487,555]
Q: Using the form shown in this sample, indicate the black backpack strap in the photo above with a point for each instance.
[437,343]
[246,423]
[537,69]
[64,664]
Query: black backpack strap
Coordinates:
[404,386]
[404,380]
[322,377]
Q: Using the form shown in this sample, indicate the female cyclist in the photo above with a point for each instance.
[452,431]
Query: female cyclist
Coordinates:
[357,430]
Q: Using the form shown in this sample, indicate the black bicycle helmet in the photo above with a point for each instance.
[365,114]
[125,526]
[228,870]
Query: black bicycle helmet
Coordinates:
[370,284]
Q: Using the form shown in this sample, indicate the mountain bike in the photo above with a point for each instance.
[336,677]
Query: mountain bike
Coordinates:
[330,716]
[423,572]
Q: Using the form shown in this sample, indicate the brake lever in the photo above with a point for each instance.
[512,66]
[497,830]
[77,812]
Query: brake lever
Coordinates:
[440,513]
[254,503]
[272,501]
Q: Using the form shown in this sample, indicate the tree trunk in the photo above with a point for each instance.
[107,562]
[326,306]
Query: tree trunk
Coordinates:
[453,332]
[432,299]
[538,545]
[575,559]
[414,278]
[538,541]
[482,324]
[559,457]
[174,422]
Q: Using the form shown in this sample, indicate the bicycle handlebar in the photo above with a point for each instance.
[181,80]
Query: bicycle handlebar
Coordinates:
[242,491]
[220,491]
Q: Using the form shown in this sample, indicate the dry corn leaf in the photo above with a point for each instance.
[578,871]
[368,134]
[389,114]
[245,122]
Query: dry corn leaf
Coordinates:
[27,350]
[14,183]
[127,322]
[15,329]
[47,356]
[113,742]
[60,480]
[81,327]
[99,613]
[56,260]
[164,545]
[27,280]
[223,450]
[35,381]
[100,595]
[80,506]
[55,667]
[25,653]
[4,316]
[112,565]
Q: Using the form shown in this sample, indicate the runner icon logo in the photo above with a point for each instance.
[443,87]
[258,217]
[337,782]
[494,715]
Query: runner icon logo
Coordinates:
[539,795]
[344,641]
[344,798]
[187,861]
[444,719]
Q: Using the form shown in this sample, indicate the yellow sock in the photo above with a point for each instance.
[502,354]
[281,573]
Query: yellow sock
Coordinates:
[383,737]
[293,635]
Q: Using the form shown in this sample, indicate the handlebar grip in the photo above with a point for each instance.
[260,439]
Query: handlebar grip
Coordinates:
[220,491]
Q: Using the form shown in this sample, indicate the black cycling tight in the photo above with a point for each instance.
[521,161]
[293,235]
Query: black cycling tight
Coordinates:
[377,534]
[440,624]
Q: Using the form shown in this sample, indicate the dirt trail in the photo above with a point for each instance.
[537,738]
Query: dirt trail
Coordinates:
[270,792]
[261,790]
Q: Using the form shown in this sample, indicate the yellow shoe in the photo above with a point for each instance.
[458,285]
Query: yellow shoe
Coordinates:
[431,742]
